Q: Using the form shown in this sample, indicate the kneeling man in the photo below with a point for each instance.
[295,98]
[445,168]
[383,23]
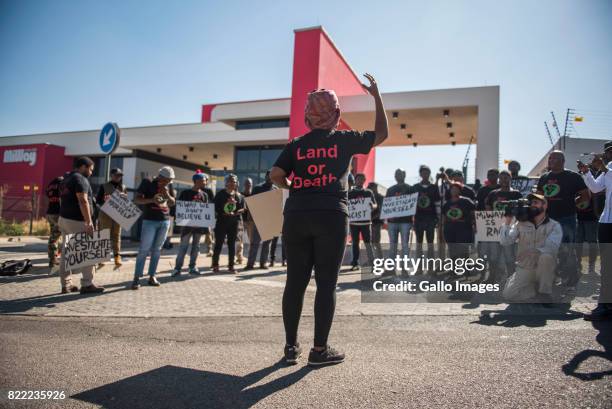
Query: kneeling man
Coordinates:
[539,238]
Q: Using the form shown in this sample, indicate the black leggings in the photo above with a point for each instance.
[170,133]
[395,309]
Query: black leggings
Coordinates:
[225,229]
[312,239]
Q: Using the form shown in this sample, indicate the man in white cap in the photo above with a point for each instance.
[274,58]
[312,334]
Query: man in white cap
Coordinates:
[157,197]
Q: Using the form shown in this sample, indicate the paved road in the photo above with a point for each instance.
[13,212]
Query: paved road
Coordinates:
[425,362]
[215,341]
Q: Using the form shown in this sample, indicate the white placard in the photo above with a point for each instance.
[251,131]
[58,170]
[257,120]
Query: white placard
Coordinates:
[523,185]
[488,224]
[399,206]
[360,209]
[195,214]
[122,210]
[81,250]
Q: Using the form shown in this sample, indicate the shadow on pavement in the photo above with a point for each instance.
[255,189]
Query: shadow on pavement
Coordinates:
[176,387]
[604,338]
[527,315]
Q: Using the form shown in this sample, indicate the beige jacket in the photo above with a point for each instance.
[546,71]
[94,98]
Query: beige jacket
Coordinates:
[546,238]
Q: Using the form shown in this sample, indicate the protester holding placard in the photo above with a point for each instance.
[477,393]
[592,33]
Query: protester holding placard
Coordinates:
[362,227]
[229,206]
[254,236]
[490,185]
[157,197]
[427,211]
[189,233]
[76,216]
[399,227]
[458,221]
[316,213]
[501,258]
[377,222]
[53,209]
[104,221]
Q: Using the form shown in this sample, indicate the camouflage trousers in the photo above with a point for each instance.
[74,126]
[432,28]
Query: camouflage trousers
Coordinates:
[54,236]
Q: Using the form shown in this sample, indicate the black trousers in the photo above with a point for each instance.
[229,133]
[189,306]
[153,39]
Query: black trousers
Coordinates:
[316,240]
[605,254]
[225,229]
[364,230]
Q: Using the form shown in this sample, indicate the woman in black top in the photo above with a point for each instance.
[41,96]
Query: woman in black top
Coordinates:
[316,213]
[229,206]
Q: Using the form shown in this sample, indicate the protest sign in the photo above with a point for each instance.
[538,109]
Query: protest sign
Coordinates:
[360,209]
[122,210]
[195,214]
[399,206]
[523,184]
[267,211]
[488,224]
[81,250]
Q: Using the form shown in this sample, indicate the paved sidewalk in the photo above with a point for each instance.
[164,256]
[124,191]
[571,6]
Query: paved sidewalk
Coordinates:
[254,293]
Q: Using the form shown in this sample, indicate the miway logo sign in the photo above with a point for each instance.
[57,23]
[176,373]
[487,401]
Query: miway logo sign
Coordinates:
[20,156]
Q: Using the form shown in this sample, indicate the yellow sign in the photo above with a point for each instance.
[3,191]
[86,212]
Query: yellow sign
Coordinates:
[578,118]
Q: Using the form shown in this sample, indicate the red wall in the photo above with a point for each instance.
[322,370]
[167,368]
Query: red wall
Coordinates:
[51,162]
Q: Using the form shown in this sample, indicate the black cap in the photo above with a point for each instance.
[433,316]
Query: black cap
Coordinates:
[424,167]
[116,171]
[607,145]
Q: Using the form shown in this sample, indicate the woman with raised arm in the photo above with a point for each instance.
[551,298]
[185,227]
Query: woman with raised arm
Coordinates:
[315,226]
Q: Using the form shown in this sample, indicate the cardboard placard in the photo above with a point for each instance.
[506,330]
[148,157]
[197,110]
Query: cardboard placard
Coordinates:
[399,206]
[122,210]
[360,209]
[267,211]
[488,224]
[195,214]
[80,250]
[524,185]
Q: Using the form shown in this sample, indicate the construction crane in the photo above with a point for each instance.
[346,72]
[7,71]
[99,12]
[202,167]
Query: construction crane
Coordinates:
[466,160]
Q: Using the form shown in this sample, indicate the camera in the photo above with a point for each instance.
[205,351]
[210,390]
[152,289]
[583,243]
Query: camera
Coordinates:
[517,208]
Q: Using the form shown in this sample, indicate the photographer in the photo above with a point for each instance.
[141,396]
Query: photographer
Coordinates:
[539,238]
[596,185]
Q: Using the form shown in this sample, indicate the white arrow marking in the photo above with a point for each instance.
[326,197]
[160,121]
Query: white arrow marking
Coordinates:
[106,140]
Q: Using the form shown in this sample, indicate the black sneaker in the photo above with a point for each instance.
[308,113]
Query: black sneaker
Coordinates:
[292,353]
[328,356]
[135,284]
[153,281]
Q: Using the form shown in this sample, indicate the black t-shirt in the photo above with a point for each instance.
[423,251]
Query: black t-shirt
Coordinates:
[376,212]
[154,211]
[458,215]
[69,203]
[494,199]
[400,189]
[226,203]
[357,193]
[482,194]
[102,197]
[466,191]
[585,211]
[426,203]
[53,195]
[320,162]
[560,190]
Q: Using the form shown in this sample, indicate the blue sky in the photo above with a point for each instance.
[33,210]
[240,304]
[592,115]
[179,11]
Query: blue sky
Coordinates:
[74,65]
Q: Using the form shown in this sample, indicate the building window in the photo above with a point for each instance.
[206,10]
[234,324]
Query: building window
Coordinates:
[255,161]
[263,123]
